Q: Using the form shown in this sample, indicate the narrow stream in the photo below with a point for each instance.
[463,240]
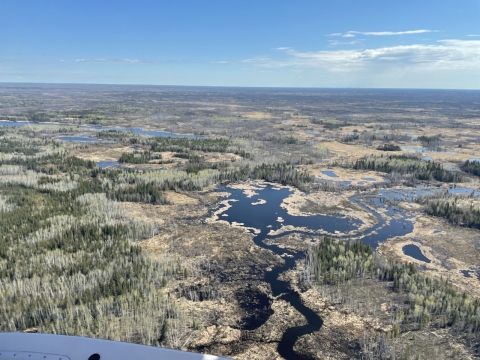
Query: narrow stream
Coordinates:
[270,216]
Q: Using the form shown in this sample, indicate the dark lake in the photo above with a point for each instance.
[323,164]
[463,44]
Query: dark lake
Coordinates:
[415,252]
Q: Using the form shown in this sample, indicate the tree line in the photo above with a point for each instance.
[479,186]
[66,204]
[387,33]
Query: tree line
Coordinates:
[138,157]
[389,147]
[471,167]
[405,164]
[454,210]
[187,145]
[431,301]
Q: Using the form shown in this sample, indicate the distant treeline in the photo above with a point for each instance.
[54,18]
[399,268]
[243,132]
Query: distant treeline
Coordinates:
[122,136]
[404,164]
[184,145]
[51,164]
[138,157]
[143,193]
[187,145]
[429,142]
[285,174]
[196,170]
[350,137]
[330,124]
[14,146]
[471,167]
[389,147]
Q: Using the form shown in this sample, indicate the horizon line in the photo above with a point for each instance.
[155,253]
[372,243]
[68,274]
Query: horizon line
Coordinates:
[237,86]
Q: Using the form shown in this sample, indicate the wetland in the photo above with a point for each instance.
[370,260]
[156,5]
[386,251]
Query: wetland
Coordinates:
[244,223]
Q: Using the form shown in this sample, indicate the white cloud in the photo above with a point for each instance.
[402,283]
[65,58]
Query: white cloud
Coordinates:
[336,42]
[382,33]
[473,35]
[391,33]
[445,54]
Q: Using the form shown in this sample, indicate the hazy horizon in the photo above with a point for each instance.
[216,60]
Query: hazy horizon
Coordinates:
[237,87]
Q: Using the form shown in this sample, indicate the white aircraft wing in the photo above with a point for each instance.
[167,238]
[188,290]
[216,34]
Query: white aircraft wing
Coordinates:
[26,346]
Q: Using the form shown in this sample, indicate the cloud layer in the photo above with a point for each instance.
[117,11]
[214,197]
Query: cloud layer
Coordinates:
[381,33]
[444,55]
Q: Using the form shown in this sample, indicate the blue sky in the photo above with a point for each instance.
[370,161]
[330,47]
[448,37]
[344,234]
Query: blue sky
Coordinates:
[302,43]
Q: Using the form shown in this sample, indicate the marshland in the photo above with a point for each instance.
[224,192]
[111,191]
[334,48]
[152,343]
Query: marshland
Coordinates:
[246,223]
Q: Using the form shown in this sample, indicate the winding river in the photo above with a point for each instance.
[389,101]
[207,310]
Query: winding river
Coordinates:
[270,216]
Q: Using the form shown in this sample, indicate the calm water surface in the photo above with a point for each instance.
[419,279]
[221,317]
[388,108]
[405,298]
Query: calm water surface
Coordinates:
[270,216]
[329,173]
[415,252]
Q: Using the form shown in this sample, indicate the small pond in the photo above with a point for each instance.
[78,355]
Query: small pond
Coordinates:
[415,252]
[369,179]
[329,173]
[466,273]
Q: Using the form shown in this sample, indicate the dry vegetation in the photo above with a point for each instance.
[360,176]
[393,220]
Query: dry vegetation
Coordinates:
[128,254]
